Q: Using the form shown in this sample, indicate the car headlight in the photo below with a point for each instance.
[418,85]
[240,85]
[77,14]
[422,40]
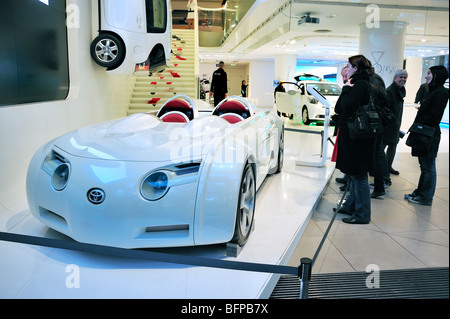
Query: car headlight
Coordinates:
[60,176]
[58,168]
[313,101]
[155,185]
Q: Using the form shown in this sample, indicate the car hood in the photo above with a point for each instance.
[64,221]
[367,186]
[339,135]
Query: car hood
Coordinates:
[333,99]
[143,137]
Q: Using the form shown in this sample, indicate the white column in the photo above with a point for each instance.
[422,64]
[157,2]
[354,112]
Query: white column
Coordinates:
[415,78]
[384,45]
[260,90]
[285,67]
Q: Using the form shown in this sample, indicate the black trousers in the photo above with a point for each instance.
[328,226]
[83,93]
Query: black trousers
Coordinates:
[218,98]
[380,166]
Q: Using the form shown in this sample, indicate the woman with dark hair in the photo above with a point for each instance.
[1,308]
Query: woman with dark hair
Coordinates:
[355,156]
[430,113]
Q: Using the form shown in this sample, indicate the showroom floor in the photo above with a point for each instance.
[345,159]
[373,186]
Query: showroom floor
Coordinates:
[401,235]
[291,218]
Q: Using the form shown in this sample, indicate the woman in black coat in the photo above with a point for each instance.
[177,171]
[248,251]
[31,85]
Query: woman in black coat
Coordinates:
[430,113]
[355,156]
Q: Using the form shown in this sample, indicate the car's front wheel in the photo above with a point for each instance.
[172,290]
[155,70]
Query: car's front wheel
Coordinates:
[107,50]
[305,116]
[246,207]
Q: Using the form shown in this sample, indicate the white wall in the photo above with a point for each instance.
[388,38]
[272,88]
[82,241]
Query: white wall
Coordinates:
[94,97]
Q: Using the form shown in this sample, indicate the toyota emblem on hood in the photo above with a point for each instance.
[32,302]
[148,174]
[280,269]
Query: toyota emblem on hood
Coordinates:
[96,196]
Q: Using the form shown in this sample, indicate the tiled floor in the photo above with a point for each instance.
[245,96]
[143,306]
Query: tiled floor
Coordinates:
[401,235]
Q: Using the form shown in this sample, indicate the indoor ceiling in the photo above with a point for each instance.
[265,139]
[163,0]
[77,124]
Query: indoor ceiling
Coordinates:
[271,28]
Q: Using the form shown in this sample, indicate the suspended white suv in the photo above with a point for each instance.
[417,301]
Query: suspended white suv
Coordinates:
[132,34]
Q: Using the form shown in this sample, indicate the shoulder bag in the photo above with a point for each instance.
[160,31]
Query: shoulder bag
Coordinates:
[420,136]
[366,122]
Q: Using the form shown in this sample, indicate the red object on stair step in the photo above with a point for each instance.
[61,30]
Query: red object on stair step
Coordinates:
[154,100]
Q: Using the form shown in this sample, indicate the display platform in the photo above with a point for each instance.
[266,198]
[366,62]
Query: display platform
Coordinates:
[284,206]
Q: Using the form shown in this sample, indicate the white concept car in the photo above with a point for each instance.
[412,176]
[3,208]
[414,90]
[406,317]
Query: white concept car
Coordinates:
[164,180]
[132,35]
[297,99]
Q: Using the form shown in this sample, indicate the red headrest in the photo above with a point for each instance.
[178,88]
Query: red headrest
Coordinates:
[232,106]
[175,117]
[179,104]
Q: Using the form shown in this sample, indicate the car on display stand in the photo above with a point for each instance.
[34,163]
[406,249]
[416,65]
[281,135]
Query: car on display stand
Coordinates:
[297,101]
[173,178]
[131,35]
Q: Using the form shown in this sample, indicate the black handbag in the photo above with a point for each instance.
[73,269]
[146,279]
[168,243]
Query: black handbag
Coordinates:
[366,123]
[420,136]
[387,116]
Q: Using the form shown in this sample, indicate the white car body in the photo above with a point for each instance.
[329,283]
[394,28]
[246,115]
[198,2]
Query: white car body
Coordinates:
[298,100]
[204,160]
[131,33]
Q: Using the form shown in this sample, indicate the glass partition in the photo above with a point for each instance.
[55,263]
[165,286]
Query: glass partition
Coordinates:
[216,24]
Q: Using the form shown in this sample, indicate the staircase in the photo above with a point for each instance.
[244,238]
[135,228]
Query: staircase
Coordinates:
[151,92]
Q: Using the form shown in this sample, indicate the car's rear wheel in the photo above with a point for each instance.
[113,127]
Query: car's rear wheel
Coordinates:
[305,116]
[246,207]
[107,50]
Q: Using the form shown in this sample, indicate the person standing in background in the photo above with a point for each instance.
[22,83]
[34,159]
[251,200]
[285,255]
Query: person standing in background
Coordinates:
[244,89]
[421,93]
[219,84]
[396,92]
[191,12]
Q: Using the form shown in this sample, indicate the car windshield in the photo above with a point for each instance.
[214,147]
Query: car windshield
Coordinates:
[326,88]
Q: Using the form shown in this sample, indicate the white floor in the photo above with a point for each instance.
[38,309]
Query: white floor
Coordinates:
[285,204]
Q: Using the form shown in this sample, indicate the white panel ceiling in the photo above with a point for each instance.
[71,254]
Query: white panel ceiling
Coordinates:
[269,29]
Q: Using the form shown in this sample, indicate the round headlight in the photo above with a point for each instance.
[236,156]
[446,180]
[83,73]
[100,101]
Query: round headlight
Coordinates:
[155,186]
[60,176]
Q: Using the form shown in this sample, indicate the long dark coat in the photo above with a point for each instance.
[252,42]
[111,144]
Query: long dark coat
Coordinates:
[354,157]
[430,113]
[395,96]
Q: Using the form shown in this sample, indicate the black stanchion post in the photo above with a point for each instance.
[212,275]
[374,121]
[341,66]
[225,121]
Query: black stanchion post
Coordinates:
[304,275]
